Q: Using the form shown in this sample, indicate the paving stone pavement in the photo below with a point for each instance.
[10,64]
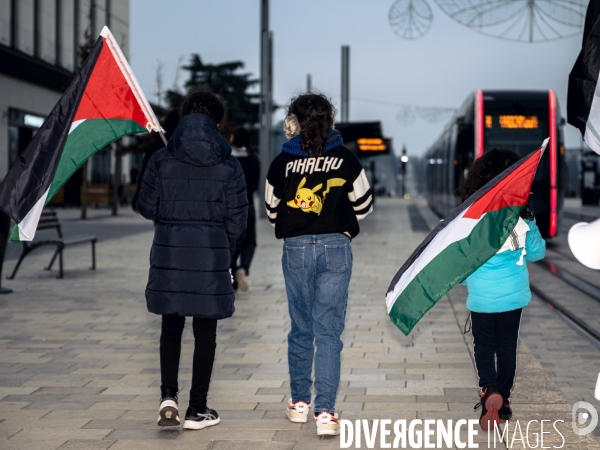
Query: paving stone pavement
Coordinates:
[79,362]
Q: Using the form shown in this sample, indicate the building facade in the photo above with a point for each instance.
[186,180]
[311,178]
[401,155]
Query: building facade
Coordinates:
[40,42]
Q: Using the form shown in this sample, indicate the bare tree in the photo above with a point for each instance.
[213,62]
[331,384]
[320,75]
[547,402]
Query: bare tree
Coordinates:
[159,82]
[177,73]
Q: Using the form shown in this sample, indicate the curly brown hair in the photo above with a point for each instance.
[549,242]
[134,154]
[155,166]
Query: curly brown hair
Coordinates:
[315,114]
[203,101]
[484,169]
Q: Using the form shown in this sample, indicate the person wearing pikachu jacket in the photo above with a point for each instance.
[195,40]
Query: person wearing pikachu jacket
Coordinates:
[316,192]
[308,194]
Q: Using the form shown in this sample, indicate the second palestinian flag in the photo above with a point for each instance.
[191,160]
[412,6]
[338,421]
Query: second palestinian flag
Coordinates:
[102,104]
[462,243]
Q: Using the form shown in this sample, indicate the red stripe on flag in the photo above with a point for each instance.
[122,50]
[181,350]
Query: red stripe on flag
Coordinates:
[512,190]
[107,94]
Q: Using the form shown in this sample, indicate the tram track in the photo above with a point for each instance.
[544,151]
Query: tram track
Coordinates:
[566,315]
[588,289]
[573,280]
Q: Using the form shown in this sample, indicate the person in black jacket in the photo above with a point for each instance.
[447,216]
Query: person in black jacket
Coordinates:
[242,149]
[194,191]
[315,193]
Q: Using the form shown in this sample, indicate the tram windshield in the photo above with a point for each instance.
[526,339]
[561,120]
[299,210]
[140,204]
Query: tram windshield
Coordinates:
[520,125]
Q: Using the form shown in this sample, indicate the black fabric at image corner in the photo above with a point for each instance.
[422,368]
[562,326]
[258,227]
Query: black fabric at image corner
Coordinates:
[195,192]
[584,75]
[34,170]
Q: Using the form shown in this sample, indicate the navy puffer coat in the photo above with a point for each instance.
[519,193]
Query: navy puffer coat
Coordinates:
[195,192]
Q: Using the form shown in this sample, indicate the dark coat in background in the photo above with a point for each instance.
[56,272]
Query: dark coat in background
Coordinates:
[195,192]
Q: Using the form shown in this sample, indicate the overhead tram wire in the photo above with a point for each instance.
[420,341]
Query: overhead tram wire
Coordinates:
[407,112]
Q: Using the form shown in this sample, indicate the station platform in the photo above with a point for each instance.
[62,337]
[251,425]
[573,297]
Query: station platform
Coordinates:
[573,209]
[79,364]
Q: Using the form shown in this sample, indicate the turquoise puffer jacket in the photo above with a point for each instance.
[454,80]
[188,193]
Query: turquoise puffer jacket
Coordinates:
[501,284]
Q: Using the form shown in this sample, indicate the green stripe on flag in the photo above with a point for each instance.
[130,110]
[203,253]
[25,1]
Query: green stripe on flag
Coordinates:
[88,138]
[85,140]
[451,266]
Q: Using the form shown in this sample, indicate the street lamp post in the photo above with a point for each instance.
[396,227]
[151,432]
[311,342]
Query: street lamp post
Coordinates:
[266,96]
[403,163]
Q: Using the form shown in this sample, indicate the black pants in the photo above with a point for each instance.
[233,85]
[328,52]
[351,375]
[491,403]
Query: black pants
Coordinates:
[495,337]
[205,335]
[249,245]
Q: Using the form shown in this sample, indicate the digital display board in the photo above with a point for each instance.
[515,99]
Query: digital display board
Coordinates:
[512,122]
[371,145]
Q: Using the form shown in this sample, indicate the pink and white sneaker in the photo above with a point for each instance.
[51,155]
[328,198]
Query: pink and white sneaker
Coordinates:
[297,412]
[327,424]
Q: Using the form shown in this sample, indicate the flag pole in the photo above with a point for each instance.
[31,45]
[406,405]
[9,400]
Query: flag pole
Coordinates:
[163,137]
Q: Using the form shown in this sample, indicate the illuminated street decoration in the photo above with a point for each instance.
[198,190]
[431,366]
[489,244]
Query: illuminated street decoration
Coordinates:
[513,20]
[407,114]
[410,19]
[519,20]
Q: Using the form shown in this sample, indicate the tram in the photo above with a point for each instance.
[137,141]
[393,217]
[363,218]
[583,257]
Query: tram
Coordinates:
[520,120]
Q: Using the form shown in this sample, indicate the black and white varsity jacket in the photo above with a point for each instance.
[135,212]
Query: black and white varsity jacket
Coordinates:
[317,195]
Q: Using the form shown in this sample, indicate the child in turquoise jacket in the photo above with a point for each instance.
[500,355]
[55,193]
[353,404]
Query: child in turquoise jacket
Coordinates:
[498,291]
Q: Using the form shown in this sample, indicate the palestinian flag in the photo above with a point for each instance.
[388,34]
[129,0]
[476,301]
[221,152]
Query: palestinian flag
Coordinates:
[103,103]
[461,243]
[583,96]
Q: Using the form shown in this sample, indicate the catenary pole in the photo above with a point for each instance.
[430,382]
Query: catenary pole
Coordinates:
[345,94]
[266,67]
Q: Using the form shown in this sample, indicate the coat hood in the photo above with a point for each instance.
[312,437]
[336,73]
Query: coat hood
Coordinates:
[197,141]
[293,147]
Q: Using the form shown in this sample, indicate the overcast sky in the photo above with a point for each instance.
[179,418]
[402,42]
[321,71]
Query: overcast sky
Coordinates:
[439,69]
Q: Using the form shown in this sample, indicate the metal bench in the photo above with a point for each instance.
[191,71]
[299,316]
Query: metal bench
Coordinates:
[48,221]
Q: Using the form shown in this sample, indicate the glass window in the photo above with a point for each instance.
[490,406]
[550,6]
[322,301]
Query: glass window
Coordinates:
[47,33]
[13,144]
[84,20]
[67,34]
[99,17]
[25,39]
[5,14]
[119,23]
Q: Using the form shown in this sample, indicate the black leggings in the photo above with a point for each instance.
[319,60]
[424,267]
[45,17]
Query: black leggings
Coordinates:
[495,339]
[205,335]
[249,244]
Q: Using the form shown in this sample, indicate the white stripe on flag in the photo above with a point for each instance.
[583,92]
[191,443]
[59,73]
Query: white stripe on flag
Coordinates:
[455,231]
[117,53]
[75,125]
[29,224]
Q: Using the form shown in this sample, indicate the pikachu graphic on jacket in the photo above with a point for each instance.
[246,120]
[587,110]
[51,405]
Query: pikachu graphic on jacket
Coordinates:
[308,200]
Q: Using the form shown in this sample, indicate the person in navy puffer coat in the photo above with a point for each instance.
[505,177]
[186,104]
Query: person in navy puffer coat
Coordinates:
[194,190]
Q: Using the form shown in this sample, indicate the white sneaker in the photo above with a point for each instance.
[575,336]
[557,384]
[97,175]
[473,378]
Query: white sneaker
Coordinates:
[168,413]
[240,277]
[327,424]
[297,412]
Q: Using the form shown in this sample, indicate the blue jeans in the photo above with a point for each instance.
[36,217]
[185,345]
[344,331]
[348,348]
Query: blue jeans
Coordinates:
[317,270]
